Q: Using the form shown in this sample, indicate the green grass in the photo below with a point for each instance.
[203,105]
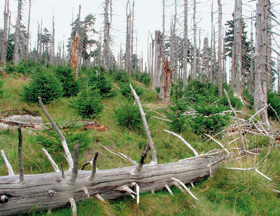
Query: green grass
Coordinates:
[227,192]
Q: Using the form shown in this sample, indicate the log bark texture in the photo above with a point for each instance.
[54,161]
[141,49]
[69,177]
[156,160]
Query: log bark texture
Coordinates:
[48,191]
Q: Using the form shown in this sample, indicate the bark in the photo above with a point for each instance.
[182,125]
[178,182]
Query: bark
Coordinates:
[5,32]
[106,44]
[167,77]
[52,56]
[16,47]
[158,46]
[220,73]
[205,60]
[132,31]
[186,45]
[194,69]
[74,55]
[260,95]
[252,71]
[128,40]
[236,76]
[28,33]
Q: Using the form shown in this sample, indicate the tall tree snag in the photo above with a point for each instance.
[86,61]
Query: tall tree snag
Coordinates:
[260,95]
[158,46]
[16,47]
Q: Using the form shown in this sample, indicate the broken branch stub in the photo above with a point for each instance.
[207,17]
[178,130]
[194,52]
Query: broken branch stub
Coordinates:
[142,160]
[20,163]
[93,171]
[151,143]
[62,138]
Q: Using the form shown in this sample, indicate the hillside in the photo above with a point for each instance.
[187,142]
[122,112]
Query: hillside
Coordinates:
[227,192]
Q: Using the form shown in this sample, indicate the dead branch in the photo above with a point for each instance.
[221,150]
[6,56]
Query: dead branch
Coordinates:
[7,163]
[55,167]
[20,164]
[62,138]
[184,141]
[151,143]
[216,141]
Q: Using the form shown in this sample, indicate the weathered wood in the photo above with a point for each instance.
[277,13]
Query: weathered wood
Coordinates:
[34,191]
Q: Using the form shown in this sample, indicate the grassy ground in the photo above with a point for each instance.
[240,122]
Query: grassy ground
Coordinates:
[228,192]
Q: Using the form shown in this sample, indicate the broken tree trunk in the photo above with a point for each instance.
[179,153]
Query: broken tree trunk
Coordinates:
[48,191]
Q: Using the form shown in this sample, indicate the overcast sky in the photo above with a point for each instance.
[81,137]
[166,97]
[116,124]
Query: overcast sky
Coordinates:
[148,17]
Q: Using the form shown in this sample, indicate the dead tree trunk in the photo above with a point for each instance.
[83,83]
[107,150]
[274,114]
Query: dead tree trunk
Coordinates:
[128,40]
[205,60]
[16,47]
[252,71]
[106,44]
[75,45]
[28,33]
[220,73]
[236,75]
[167,77]
[194,71]
[5,36]
[186,45]
[158,45]
[260,95]
[278,73]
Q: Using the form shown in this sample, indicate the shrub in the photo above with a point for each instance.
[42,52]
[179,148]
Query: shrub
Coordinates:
[104,85]
[66,77]
[44,84]
[126,91]
[121,77]
[145,78]
[88,103]
[208,119]
[157,89]
[175,114]
[128,117]
[274,100]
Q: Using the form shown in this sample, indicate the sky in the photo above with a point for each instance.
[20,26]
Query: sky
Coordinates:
[148,18]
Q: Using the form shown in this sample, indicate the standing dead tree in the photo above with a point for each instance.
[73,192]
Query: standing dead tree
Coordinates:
[194,67]
[128,38]
[236,74]
[106,39]
[158,54]
[16,47]
[186,45]
[220,72]
[260,95]
[166,82]
[5,36]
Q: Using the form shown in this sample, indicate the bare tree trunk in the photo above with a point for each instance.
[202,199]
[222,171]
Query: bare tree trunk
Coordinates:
[220,73]
[16,47]
[28,33]
[128,39]
[260,97]
[268,56]
[106,44]
[167,77]
[78,51]
[252,71]
[158,46]
[205,60]
[5,36]
[186,45]
[237,51]
[194,71]
[214,62]
[278,73]
[132,31]
[211,78]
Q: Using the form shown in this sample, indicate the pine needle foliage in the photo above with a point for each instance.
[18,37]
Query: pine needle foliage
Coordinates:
[43,84]
[88,103]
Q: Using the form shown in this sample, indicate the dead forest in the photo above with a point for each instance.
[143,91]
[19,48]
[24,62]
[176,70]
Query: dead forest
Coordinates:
[84,126]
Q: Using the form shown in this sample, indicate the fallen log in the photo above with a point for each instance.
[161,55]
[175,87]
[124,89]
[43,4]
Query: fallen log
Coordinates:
[48,191]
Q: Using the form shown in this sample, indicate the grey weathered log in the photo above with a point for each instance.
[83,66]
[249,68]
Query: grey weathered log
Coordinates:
[33,194]
[20,163]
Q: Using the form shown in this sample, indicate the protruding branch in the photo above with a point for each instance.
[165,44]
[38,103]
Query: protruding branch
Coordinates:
[62,138]
[94,166]
[168,189]
[237,119]
[8,165]
[73,206]
[128,190]
[20,163]
[75,165]
[62,171]
[137,188]
[56,169]
[86,192]
[4,199]
[184,141]
[142,160]
[184,186]
[153,150]
[250,119]
[178,186]
[99,197]
[216,141]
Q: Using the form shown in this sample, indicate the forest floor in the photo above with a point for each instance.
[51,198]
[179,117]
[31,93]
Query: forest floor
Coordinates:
[227,192]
